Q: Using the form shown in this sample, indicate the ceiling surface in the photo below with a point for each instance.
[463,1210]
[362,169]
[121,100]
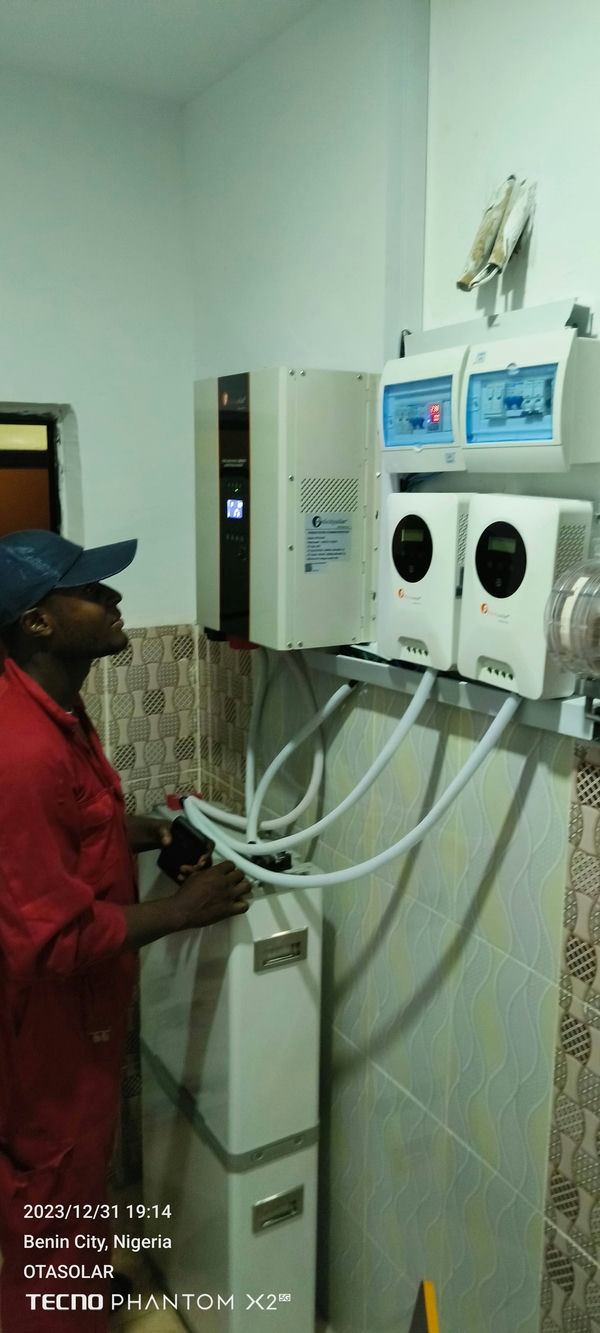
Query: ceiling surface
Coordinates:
[162,48]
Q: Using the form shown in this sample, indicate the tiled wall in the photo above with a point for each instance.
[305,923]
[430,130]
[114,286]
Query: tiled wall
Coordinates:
[442,989]
[442,995]
[172,712]
[571,1286]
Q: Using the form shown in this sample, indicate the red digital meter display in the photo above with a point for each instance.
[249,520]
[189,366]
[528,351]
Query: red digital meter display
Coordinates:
[435,414]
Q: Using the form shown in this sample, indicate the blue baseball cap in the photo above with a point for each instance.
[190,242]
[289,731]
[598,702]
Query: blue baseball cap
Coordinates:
[34,563]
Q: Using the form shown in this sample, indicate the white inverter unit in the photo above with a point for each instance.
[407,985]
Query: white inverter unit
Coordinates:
[424,541]
[284,506]
[517,546]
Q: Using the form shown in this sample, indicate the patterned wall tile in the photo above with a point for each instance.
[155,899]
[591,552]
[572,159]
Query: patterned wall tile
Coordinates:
[588,775]
[513,850]
[571,1291]
[399,797]
[346,972]
[225,694]
[570,1287]
[390,1292]
[348,1117]
[504,1020]
[152,688]
[93,693]
[388,940]
[494,873]
[583,895]
[573,1198]
[343,1279]
[143,797]
[222,790]
[406,1179]
[413,979]
[494,1240]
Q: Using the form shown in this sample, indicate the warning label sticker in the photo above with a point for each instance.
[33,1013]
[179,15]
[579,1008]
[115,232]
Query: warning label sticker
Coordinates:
[328,539]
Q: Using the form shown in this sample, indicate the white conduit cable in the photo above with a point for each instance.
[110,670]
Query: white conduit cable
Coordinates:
[293,839]
[264,679]
[311,791]
[409,717]
[240,822]
[317,767]
[313,723]
[258,699]
[287,881]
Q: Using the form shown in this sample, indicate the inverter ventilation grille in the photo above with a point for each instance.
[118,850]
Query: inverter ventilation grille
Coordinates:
[329,495]
[463,524]
[571,547]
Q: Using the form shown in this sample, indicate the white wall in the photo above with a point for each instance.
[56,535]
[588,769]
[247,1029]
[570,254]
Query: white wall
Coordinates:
[306,250]
[513,88]
[96,313]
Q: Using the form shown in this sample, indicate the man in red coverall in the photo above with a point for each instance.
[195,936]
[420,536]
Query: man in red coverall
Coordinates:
[69,928]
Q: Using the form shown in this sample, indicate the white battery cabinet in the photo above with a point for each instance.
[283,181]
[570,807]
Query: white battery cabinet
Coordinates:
[230,1022]
[242,1240]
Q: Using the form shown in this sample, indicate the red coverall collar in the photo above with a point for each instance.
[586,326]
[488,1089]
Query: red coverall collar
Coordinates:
[67,721]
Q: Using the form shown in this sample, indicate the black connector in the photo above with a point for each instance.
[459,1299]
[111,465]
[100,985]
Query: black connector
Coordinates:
[186,847]
[273,861]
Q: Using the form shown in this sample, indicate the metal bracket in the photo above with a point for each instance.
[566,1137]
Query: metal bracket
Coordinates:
[567,717]
[592,707]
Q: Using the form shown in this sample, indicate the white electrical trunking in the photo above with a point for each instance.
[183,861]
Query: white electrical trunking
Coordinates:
[230,1034]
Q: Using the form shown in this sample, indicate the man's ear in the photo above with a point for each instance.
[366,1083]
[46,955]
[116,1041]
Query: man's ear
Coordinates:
[37,622]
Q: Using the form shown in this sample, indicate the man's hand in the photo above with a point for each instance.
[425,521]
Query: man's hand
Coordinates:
[145,834]
[213,894]
[202,863]
[207,896]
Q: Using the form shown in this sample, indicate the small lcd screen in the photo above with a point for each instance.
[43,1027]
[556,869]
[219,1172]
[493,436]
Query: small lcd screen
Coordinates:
[411,535]
[507,544]
[235,509]
[418,412]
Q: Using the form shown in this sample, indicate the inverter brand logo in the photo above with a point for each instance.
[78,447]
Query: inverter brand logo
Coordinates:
[415,598]
[484,608]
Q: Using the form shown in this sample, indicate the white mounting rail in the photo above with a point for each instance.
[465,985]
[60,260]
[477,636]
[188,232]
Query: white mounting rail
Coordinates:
[578,716]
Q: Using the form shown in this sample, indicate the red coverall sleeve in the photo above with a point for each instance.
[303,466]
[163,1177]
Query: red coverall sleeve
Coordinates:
[52,922]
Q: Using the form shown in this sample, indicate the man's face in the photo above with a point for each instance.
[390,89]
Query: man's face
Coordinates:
[85,621]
